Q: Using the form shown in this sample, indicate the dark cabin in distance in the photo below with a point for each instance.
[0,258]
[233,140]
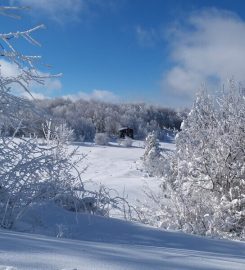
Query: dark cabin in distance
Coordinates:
[126,132]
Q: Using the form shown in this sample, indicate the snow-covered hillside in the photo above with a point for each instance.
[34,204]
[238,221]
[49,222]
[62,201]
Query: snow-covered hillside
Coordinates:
[114,166]
[118,168]
[93,242]
[115,244]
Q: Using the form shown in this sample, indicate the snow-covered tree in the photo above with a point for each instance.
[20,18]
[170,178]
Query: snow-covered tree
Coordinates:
[211,160]
[204,182]
[152,155]
[88,117]
[29,172]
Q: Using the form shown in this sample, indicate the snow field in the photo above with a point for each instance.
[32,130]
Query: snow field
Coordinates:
[93,242]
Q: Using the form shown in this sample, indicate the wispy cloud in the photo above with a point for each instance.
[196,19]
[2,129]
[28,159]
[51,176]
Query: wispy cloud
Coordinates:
[8,69]
[63,11]
[98,95]
[58,10]
[147,37]
[34,95]
[50,85]
[208,49]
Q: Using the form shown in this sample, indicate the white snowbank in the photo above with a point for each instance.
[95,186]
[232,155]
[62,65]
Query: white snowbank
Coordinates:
[114,244]
[118,168]
[103,243]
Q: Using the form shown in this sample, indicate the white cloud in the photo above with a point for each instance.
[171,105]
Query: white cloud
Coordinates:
[63,11]
[53,84]
[209,49]
[34,95]
[50,83]
[103,95]
[58,10]
[9,69]
[98,95]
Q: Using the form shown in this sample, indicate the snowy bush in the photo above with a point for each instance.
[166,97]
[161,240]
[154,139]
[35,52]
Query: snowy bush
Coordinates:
[32,173]
[152,155]
[127,142]
[101,139]
[73,203]
[101,202]
[63,134]
[29,172]
[203,187]
[56,133]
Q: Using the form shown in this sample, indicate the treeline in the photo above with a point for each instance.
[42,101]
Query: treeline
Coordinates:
[87,118]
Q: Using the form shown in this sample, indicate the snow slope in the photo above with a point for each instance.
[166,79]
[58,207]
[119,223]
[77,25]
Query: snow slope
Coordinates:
[115,167]
[102,243]
[118,168]
[116,244]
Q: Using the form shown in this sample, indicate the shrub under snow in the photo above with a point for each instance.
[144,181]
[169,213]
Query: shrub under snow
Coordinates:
[203,186]
[152,155]
[29,172]
[127,142]
[101,139]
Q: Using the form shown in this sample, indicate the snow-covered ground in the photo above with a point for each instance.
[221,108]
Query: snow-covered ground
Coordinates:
[116,167]
[116,244]
[92,242]
[119,168]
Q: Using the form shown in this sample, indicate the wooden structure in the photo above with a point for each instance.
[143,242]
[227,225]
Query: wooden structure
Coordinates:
[126,132]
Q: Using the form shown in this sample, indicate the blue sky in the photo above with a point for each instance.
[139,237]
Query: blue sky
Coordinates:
[155,51]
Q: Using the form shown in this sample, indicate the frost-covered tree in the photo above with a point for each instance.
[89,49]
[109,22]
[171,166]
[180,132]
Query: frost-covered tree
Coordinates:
[152,155]
[211,160]
[204,182]
[29,172]
[88,117]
